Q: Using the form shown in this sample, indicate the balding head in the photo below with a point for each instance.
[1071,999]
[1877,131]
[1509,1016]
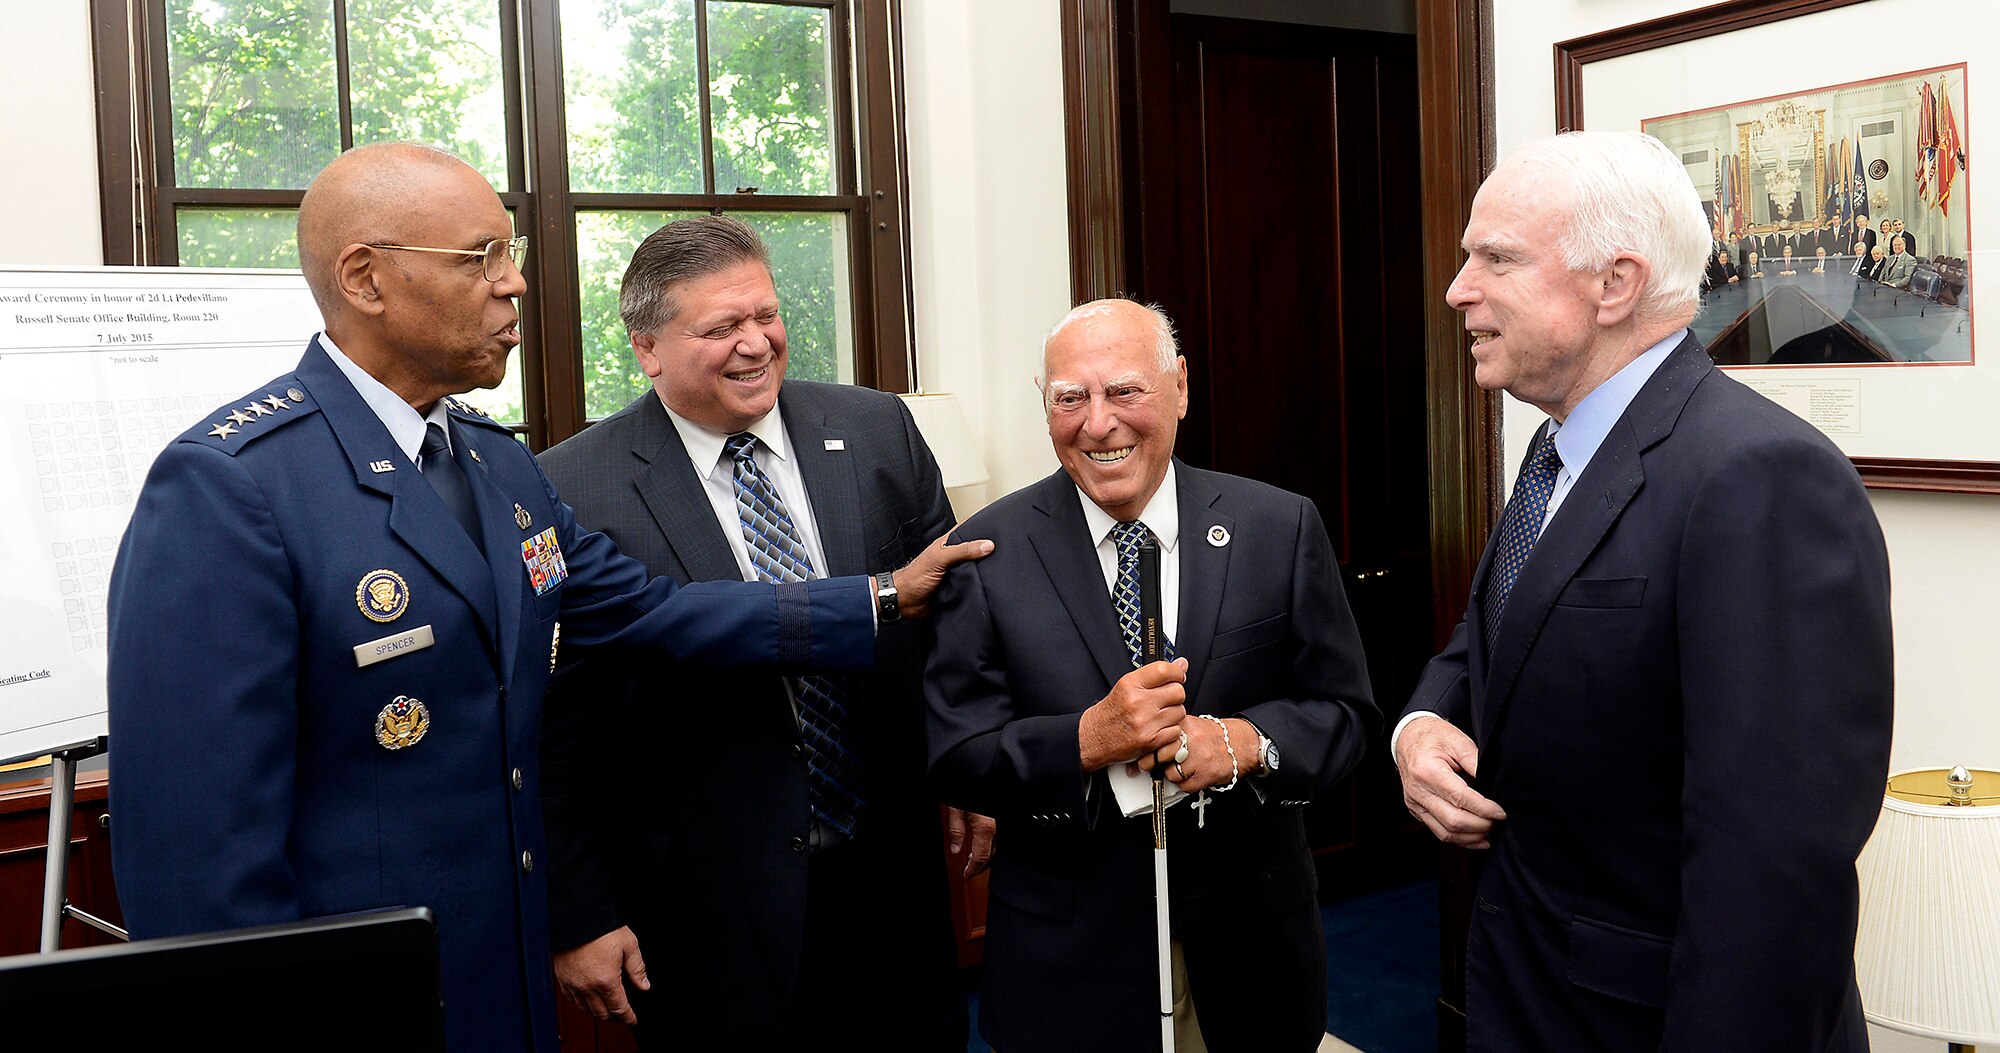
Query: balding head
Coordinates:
[393,239]
[1115,393]
[365,197]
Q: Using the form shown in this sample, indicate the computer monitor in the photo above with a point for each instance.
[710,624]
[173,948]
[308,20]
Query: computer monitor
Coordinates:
[354,982]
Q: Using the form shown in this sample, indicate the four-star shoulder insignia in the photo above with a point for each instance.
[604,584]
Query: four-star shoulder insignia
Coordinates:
[245,419]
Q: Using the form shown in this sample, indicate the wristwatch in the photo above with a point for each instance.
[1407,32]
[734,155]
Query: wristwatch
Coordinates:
[886,608]
[1267,752]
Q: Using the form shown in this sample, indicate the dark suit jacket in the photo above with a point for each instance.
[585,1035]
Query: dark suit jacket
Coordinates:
[1026,641]
[687,820]
[247,779]
[1686,717]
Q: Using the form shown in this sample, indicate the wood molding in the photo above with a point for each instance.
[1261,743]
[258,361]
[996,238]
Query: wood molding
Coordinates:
[1095,160]
[1455,82]
[1570,55]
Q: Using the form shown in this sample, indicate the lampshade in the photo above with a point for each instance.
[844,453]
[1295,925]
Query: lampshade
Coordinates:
[942,421]
[1928,952]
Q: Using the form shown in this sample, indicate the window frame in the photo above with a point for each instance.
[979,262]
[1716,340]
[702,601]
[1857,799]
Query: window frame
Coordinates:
[140,196]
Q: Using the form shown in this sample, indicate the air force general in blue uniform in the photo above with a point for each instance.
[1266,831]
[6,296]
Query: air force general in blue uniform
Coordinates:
[325,691]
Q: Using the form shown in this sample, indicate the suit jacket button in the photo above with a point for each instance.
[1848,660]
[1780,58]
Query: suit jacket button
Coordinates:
[798,844]
[517,778]
[528,862]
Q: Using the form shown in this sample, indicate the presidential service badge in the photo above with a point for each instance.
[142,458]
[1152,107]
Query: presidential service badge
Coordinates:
[382,595]
[402,723]
[544,559]
[1218,535]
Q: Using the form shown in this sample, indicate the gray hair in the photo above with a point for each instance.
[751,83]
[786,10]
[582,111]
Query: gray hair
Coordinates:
[1165,346]
[681,251]
[1629,193]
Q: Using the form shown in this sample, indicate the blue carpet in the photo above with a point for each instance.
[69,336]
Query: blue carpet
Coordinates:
[1381,971]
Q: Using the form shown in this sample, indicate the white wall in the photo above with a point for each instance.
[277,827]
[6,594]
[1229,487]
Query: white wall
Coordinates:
[48,141]
[989,212]
[1941,547]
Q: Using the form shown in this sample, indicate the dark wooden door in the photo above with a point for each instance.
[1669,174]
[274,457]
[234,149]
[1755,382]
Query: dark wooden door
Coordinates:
[1279,225]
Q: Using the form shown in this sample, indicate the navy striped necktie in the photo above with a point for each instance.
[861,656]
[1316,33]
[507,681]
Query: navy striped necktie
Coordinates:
[778,554]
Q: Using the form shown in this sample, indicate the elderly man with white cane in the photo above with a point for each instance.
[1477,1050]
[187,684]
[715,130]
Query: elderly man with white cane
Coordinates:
[1043,692]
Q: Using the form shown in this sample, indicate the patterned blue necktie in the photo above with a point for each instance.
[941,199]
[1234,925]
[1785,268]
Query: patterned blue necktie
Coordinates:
[779,555]
[1520,527]
[1125,597]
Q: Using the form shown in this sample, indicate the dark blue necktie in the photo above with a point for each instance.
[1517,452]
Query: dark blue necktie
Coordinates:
[778,554]
[1520,527]
[445,476]
[1125,596]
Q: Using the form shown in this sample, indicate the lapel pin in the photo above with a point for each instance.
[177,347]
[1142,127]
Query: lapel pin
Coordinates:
[836,444]
[402,723]
[1218,535]
[474,453]
[382,595]
[521,517]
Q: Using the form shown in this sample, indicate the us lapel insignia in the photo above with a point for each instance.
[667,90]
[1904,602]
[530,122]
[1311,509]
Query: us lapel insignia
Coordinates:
[521,517]
[544,560]
[402,723]
[1218,535]
[382,595]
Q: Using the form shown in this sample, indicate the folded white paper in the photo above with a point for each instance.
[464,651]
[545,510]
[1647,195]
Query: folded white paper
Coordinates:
[1134,790]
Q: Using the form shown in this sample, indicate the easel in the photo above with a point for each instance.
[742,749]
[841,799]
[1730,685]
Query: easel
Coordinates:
[62,799]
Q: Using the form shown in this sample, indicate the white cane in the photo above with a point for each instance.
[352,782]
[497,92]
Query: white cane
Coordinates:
[1151,651]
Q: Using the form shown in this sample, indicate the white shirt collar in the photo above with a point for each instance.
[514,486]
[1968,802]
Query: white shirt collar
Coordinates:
[1162,514]
[704,445]
[405,425]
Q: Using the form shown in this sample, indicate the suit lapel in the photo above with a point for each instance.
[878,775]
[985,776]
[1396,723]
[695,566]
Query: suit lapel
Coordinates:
[675,497]
[1062,543]
[1204,569]
[417,515]
[830,482]
[1594,502]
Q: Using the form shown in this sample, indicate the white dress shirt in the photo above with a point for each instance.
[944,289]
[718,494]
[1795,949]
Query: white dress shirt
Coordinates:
[773,454]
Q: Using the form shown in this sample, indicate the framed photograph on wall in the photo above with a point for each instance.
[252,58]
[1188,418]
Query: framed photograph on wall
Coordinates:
[1822,136]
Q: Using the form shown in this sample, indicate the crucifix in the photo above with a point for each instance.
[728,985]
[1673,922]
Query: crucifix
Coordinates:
[1200,807]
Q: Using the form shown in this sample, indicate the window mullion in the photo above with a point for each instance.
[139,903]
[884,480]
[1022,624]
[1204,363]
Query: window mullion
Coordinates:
[552,385]
[343,86]
[703,100]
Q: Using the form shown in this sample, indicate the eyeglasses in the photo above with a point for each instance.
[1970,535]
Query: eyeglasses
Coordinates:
[514,249]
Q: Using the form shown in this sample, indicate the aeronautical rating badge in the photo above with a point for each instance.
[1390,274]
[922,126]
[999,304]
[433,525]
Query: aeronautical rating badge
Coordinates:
[382,595]
[402,723]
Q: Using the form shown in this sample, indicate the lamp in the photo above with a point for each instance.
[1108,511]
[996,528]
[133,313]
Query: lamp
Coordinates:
[942,421]
[1927,956]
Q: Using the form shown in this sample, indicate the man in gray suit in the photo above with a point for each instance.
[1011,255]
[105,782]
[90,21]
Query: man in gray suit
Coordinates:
[763,838]
[1900,266]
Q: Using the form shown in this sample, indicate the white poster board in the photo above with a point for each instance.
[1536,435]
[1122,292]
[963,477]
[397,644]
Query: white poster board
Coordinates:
[100,368]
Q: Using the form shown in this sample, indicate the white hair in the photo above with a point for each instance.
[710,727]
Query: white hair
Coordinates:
[1629,193]
[1165,347]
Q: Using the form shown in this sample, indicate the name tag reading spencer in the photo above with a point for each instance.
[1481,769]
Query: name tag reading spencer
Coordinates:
[390,646]
[544,559]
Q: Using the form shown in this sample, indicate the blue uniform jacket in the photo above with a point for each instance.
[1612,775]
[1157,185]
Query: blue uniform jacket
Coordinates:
[247,777]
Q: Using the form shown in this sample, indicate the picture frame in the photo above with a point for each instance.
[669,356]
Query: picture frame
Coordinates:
[1924,425]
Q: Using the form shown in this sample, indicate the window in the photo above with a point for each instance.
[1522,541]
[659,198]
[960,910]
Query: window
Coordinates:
[215,115]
